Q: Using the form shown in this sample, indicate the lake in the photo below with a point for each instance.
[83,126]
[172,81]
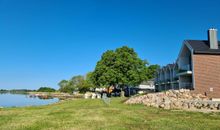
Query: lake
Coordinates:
[19,100]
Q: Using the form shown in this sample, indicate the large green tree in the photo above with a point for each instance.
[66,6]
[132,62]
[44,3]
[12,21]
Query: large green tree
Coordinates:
[152,70]
[120,67]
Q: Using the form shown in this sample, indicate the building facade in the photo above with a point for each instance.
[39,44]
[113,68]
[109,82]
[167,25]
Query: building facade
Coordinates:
[197,68]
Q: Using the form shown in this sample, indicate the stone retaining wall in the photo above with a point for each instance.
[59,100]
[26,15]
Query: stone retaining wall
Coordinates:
[176,99]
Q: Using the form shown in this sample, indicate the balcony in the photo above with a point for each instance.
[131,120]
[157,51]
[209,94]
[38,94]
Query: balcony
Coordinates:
[175,78]
[185,70]
[185,67]
[168,81]
[186,85]
[175,81]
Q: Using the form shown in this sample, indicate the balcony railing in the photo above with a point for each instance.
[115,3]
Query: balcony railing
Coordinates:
[186,84]
[176,78]
[185,68]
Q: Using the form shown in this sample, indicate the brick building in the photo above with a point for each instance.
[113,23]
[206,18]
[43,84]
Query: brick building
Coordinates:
[197,68]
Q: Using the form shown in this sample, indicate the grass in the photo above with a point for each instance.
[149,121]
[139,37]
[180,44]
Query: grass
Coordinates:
[82,114]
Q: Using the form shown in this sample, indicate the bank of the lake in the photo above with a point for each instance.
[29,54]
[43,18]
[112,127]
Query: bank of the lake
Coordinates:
[95,114]
[59,95]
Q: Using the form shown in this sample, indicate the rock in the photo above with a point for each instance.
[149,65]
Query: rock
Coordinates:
[218,107]
[198,105]
[176,99]
[166,100]
[191,106]
[176,105]
[185,105]
[166,105]
[205,104]
[162,105]
[181,90]
[88,95]
[93,95]
[98,96]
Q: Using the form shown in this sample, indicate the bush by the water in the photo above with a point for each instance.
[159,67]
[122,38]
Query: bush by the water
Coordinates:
[46,89]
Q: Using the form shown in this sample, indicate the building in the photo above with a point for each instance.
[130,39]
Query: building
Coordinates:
[197,68]
[166,78]
[146,86]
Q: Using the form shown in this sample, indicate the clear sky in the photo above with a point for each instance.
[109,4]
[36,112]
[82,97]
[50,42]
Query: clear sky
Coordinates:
[45,41]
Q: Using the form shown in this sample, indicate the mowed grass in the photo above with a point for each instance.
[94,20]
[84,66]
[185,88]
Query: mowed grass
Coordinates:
[82,114]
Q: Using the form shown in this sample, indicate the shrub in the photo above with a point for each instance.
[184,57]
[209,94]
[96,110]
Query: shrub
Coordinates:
[46,89]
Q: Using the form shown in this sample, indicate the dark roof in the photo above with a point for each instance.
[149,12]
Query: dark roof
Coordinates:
[168,65]
[202,47]
[171,65]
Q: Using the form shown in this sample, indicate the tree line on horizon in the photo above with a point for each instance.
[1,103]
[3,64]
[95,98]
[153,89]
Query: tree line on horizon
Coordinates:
[25,91]
[121,67]
[16,91]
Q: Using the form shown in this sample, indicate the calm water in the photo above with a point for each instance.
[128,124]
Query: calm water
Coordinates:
[19,100]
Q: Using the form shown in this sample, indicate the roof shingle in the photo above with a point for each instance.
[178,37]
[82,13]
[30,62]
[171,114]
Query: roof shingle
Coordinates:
[202,47]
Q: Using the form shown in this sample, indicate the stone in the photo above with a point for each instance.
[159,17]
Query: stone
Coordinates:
[198,105]
[167,105]
[175,99]
[205,104]
[185,105]
[98,96]
[218,107]
[177,104]
[181,90]
[86,96]
[93,95]
[161,105]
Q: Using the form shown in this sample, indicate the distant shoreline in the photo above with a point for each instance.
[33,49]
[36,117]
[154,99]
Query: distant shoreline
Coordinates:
[61,96]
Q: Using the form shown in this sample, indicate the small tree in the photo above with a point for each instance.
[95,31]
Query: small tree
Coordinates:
[80,83]
[65,86]
[63,83]
[84,86]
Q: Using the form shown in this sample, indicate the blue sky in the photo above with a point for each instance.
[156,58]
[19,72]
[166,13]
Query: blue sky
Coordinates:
[45,41]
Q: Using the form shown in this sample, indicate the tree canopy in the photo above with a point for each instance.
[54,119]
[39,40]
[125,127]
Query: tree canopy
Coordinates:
[120,67]
[76,83]
[152,70]
[46,89]
[117,67]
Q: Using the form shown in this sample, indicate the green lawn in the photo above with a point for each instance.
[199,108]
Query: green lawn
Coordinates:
[83,114]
